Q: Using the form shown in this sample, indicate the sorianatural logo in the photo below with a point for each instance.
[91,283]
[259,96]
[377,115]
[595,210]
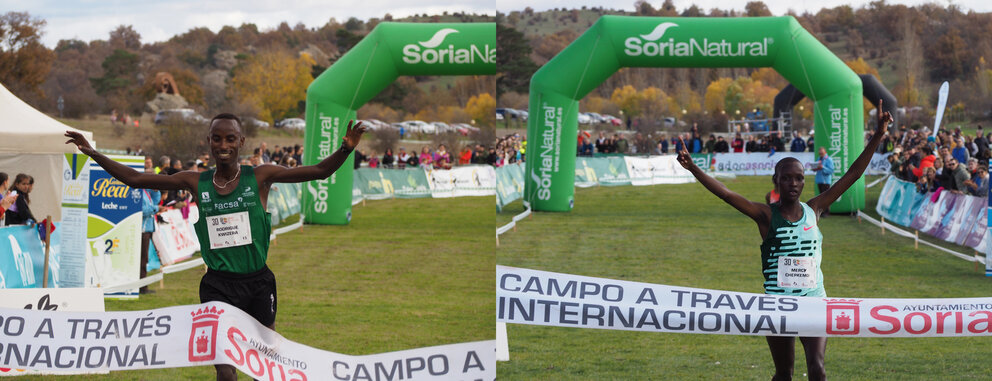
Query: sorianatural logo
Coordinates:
[651,45]
[428,52]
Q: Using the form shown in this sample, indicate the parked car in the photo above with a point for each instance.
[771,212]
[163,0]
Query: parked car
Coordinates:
[465,128]
[184,114]
[584,118]
[612,120]
[257,123]
[419,126]
[441,127]
[292,124]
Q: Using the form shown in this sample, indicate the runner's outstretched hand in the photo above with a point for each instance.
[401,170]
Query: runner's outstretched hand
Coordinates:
[353,135]
[80,142]
[683,156]
[884,119]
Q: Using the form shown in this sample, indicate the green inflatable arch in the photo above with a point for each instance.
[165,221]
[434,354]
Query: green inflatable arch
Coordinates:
[614,42]
[389,51]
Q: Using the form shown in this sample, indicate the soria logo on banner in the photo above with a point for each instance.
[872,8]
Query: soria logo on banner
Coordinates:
[203,334]
[843,316]
[549,151]
[428,52]
[652,45]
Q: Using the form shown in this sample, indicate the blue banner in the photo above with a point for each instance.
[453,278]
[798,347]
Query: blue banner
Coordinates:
[952,217]
[22,257]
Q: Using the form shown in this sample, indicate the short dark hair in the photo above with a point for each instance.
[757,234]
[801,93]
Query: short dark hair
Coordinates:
[782,163]
[228,116]
[3,177]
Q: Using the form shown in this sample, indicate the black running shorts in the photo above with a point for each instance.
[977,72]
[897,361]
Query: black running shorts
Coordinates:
[253,293]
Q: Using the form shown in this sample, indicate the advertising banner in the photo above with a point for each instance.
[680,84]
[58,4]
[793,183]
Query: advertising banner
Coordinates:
[113,227]
[470,180]
[509,184]
[22,257]
[952,217]
[379,184]
[75,211]
[174,237]
[653,170]
[606,171]
[214,333]
[553,299]
[51,299]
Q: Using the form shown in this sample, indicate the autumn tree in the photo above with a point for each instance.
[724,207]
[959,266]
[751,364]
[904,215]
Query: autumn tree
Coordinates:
[514,62]
[482,109]
[125,37]
[627,99]
[756,9]
[119,81]
[24,61]
[273,81]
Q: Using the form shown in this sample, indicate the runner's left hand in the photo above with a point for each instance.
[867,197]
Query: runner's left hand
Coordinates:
[353,135]
[884,119]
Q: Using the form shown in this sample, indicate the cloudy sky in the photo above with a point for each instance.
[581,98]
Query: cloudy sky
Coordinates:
[159,20]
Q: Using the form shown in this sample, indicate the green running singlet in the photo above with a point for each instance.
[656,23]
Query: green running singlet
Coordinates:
[233,230]
[791,255]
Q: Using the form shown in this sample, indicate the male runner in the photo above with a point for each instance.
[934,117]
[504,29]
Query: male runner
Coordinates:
[234,227]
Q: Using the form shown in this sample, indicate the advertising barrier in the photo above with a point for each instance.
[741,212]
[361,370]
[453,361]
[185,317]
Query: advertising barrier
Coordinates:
[174,237]
[75,216]
[214,333]
[509,184]
[952,217]
[470,180]
[114,227]
[22,257]
[58,299]
[553,299]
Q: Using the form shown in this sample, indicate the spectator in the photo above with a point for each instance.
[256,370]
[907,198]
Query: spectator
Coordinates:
[402,158]
[798,144]
[359,158]
[959,151]
[20,212]
[601,143]
[266,155]
[163,164]
[465,157]
[150,199]
[426,159]
[978,185]
[663,142]
[721,145]
[710,145]
[388,159]
[958,175]
[928,182]
[809,142]
[373,160]
[6,200]
[774,142]
[620,143]
[751,145]
[824,171]
[413,161]
[697,144]
[738,143]
[442,159]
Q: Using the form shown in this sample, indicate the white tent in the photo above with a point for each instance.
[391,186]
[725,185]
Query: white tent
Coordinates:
[34,143]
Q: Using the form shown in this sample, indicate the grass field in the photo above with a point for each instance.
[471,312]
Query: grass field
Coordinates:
[404,274]
[682,235]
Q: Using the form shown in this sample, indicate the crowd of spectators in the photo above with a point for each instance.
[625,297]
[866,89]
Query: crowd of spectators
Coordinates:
[662,144]
[507,150]
[948,161]
[15,200]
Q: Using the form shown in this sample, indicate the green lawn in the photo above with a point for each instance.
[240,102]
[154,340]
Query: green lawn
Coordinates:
[404,274]
[682,235]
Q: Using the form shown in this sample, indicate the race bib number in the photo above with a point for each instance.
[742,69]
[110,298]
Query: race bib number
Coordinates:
[229,230]
[796,272]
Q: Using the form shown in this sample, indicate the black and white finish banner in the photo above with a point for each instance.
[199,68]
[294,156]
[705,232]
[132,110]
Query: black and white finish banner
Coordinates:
[563,300]
[213,333]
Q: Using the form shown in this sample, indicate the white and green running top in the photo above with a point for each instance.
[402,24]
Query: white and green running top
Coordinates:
[791,255]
